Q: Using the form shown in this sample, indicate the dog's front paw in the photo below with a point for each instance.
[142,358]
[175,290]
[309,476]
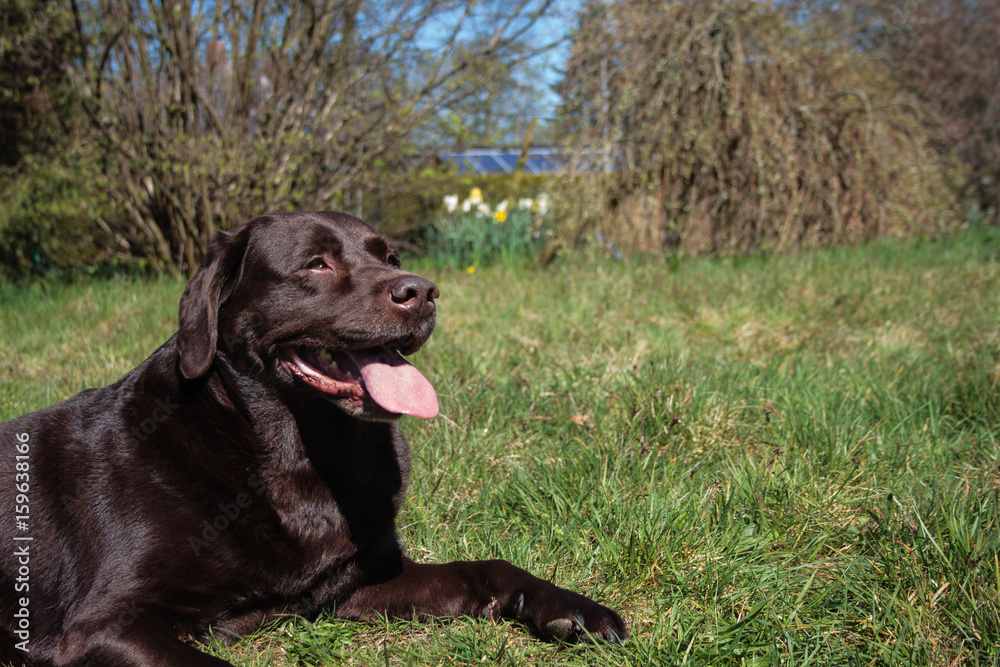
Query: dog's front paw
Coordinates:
[564,616]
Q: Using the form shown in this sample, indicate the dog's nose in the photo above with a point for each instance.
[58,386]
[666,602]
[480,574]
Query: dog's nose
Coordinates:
[414,291]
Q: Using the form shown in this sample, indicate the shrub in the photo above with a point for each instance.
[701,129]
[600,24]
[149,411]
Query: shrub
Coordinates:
[53,218]
[949,55]
[719,127]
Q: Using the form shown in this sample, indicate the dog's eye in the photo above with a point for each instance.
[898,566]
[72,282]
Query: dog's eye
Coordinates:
[317,264]
[395,261]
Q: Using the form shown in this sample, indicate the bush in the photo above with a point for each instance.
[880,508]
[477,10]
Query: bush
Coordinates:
[949,55]
[719,127]
[53,218]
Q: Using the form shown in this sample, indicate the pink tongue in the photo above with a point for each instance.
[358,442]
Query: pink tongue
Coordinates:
[394,384]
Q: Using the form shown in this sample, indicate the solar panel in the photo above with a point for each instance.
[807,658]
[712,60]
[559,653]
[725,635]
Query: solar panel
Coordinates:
[500,161]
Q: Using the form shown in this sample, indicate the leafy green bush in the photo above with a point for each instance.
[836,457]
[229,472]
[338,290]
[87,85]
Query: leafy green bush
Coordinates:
[53,218]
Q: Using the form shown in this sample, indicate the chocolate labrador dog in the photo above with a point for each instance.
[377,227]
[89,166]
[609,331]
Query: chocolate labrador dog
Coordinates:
[252,466]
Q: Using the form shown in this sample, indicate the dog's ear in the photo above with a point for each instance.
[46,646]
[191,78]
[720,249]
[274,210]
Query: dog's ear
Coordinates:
[199,310]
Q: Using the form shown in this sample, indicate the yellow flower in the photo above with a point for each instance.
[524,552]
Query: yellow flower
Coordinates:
[500,216]
[475,195]
[470,270]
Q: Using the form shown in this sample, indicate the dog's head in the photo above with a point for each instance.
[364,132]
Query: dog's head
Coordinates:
[319,302]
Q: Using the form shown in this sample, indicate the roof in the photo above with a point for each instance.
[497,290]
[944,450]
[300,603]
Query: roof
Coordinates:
[504,161]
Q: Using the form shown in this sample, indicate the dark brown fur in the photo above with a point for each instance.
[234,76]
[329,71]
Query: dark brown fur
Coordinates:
[209,488]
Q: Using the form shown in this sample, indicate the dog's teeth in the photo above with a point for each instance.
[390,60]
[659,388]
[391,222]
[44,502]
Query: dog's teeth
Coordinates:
[327,358]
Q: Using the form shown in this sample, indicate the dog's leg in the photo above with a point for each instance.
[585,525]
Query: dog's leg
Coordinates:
[141,646]
[486,589]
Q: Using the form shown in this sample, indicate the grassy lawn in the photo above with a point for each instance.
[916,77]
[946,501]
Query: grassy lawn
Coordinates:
[758,461]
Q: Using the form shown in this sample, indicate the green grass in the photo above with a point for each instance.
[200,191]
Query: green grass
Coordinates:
[764,461]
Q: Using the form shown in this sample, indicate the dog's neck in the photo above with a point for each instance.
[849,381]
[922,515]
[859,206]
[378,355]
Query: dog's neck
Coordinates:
[310,454]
